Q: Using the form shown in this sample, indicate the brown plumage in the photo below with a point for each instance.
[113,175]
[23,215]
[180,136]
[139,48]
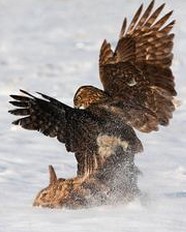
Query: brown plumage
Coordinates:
[136,76]
[83,132]
[138,92]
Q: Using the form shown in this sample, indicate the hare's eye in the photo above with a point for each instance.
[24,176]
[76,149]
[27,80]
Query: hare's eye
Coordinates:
[44,194]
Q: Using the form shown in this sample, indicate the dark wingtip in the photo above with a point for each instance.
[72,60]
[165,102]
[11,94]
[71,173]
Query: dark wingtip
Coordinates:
[45,96]
[13,96]
[25,92]
[173,22]
[162,6]
[16,122]
[140,8]
[40,93]
[152,3]
[14,103]
[14,112]
[10,111]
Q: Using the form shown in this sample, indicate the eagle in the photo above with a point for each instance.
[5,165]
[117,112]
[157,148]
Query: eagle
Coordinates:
[138,93]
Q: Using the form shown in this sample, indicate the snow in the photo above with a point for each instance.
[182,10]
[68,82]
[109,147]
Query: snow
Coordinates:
[52,46]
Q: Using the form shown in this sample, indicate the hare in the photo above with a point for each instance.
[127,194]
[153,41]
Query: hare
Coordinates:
[110,185]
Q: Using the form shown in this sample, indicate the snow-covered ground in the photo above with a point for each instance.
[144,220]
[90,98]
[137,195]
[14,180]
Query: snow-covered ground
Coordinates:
[52,46]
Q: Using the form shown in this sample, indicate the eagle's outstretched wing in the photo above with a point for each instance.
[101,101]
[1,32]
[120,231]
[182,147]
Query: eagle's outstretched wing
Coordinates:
[55,119]
[89,135]
[138,71]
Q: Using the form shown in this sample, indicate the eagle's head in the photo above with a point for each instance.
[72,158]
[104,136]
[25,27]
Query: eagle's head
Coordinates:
[88,95]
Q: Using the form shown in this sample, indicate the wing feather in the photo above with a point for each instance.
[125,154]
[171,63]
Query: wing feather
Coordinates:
[153,17]
[106,53]
[162,21]
[135,19]
[139,68]
[145,16]
[55,119]
[51,117]
[123,28]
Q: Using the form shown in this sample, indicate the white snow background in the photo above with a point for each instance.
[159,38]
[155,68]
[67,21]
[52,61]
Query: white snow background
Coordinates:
[52,46]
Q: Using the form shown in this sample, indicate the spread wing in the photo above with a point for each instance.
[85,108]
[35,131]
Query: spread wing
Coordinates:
[55,119]
[138,71]
[79,130]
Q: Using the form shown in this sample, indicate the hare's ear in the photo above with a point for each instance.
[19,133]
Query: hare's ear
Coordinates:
[52,174]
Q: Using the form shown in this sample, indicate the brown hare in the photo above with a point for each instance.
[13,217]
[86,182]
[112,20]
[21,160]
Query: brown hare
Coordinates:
[115,182]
